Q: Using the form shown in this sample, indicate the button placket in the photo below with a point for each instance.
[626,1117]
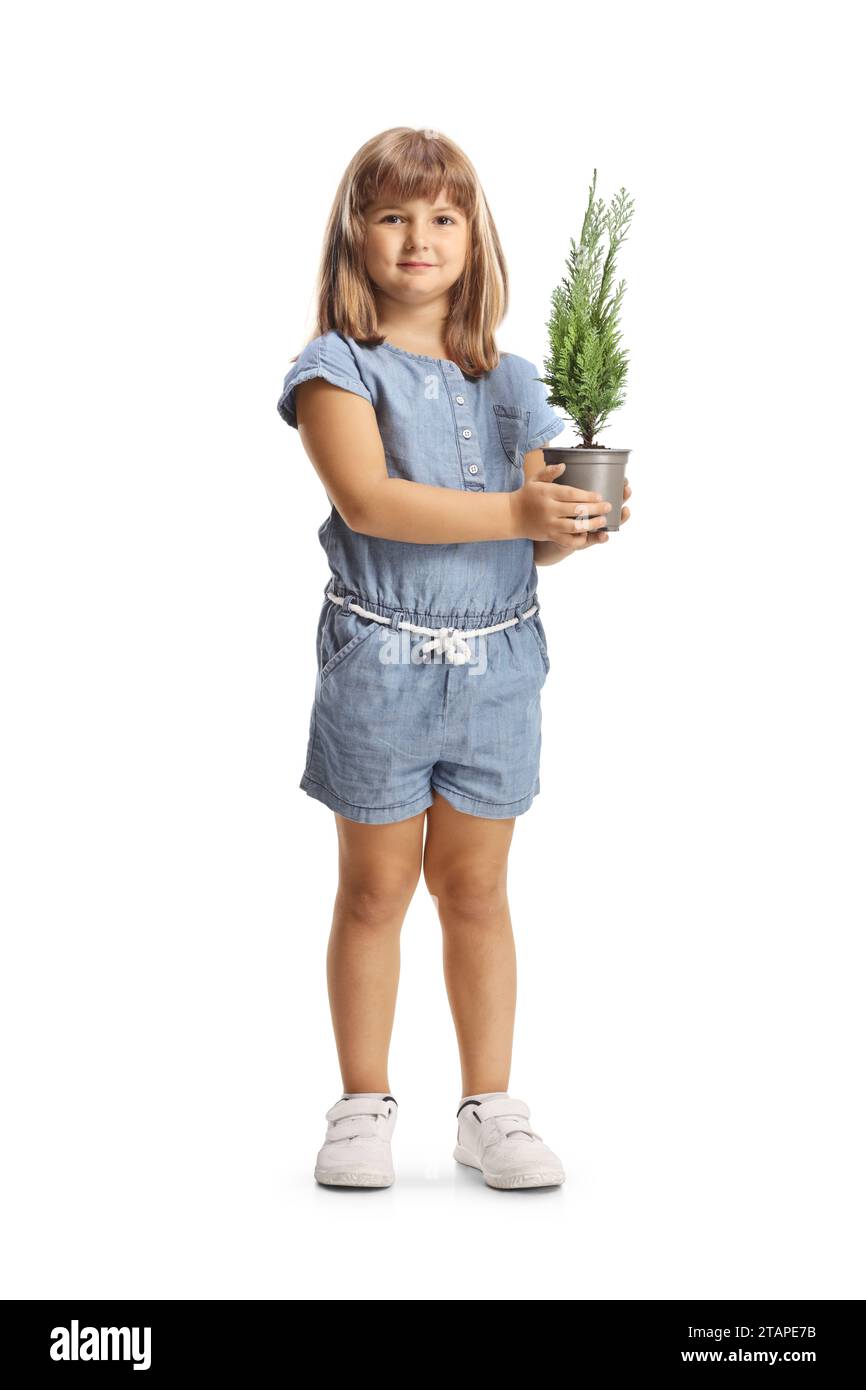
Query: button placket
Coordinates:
[471,462]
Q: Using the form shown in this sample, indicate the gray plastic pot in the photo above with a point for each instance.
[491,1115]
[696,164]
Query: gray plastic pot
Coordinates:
[596,469]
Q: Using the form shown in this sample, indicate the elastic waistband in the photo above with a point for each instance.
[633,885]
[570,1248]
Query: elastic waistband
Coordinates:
[455,617]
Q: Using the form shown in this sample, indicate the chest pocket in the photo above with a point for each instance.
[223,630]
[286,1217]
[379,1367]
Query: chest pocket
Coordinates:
[513,425]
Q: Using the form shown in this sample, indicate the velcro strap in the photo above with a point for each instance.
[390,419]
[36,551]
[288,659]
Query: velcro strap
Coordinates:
[356,1126]
[502,1128]
[488,1109]
[358,1105]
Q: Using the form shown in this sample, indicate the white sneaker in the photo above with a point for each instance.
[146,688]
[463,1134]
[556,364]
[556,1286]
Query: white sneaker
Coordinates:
[495,1135]
[357,1147]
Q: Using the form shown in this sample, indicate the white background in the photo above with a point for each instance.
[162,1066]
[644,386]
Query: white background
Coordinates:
[686,889]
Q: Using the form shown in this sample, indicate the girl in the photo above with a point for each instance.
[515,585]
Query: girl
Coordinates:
[431,651]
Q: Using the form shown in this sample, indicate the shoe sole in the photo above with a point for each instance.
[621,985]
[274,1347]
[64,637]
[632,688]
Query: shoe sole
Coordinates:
[543,1178]
[350,1179]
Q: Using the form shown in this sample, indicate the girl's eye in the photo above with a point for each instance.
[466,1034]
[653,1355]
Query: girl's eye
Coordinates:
[443,218]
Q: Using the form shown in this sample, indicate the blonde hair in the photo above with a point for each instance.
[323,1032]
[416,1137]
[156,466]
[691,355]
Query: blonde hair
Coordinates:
[413,164]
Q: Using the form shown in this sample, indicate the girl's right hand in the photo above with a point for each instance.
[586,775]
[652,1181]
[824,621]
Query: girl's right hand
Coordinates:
[545,511]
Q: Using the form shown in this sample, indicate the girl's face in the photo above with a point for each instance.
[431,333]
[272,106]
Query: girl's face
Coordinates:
[402,235]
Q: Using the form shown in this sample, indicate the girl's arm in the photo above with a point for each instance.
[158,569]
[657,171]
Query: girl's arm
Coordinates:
[400,510]
[340,434]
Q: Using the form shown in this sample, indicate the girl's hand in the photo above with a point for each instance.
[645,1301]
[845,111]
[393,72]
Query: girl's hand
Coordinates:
[545,511]
[558,549]
[580,542]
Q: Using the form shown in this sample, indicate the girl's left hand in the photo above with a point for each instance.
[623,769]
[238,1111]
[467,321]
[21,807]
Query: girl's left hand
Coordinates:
[587,538]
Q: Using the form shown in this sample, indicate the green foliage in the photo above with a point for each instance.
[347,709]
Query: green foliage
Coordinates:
[587,368]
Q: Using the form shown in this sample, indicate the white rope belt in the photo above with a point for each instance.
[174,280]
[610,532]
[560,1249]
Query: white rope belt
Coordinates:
[450,641]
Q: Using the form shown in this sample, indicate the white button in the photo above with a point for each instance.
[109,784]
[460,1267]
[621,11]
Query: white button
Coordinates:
[467,434]
[473,468]
[459,400]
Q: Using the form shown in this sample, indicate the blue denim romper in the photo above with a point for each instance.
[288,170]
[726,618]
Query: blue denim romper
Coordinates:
[390,721]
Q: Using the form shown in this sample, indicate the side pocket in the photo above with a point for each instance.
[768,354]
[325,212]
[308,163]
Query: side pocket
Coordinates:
[535,627]
[340,635]
[513,425]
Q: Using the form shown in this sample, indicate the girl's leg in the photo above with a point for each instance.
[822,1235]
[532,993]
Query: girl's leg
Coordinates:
[380,866]
[465,869]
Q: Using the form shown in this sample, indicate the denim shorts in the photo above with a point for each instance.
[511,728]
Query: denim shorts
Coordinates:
[389,726]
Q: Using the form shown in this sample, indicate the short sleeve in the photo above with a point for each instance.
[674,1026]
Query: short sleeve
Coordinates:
[330,357]
[544,423]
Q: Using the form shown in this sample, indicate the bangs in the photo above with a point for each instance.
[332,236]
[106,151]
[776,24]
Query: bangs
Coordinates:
[417,168]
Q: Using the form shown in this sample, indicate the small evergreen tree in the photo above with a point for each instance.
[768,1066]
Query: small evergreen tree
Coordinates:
[586,370]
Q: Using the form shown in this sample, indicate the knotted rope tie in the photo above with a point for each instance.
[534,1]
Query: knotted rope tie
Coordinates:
[451,643]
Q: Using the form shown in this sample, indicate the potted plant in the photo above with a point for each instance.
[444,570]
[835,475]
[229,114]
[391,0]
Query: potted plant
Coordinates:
[587,368]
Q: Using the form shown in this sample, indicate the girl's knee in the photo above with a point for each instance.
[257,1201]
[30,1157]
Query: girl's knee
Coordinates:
[476,894]
[376,898]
